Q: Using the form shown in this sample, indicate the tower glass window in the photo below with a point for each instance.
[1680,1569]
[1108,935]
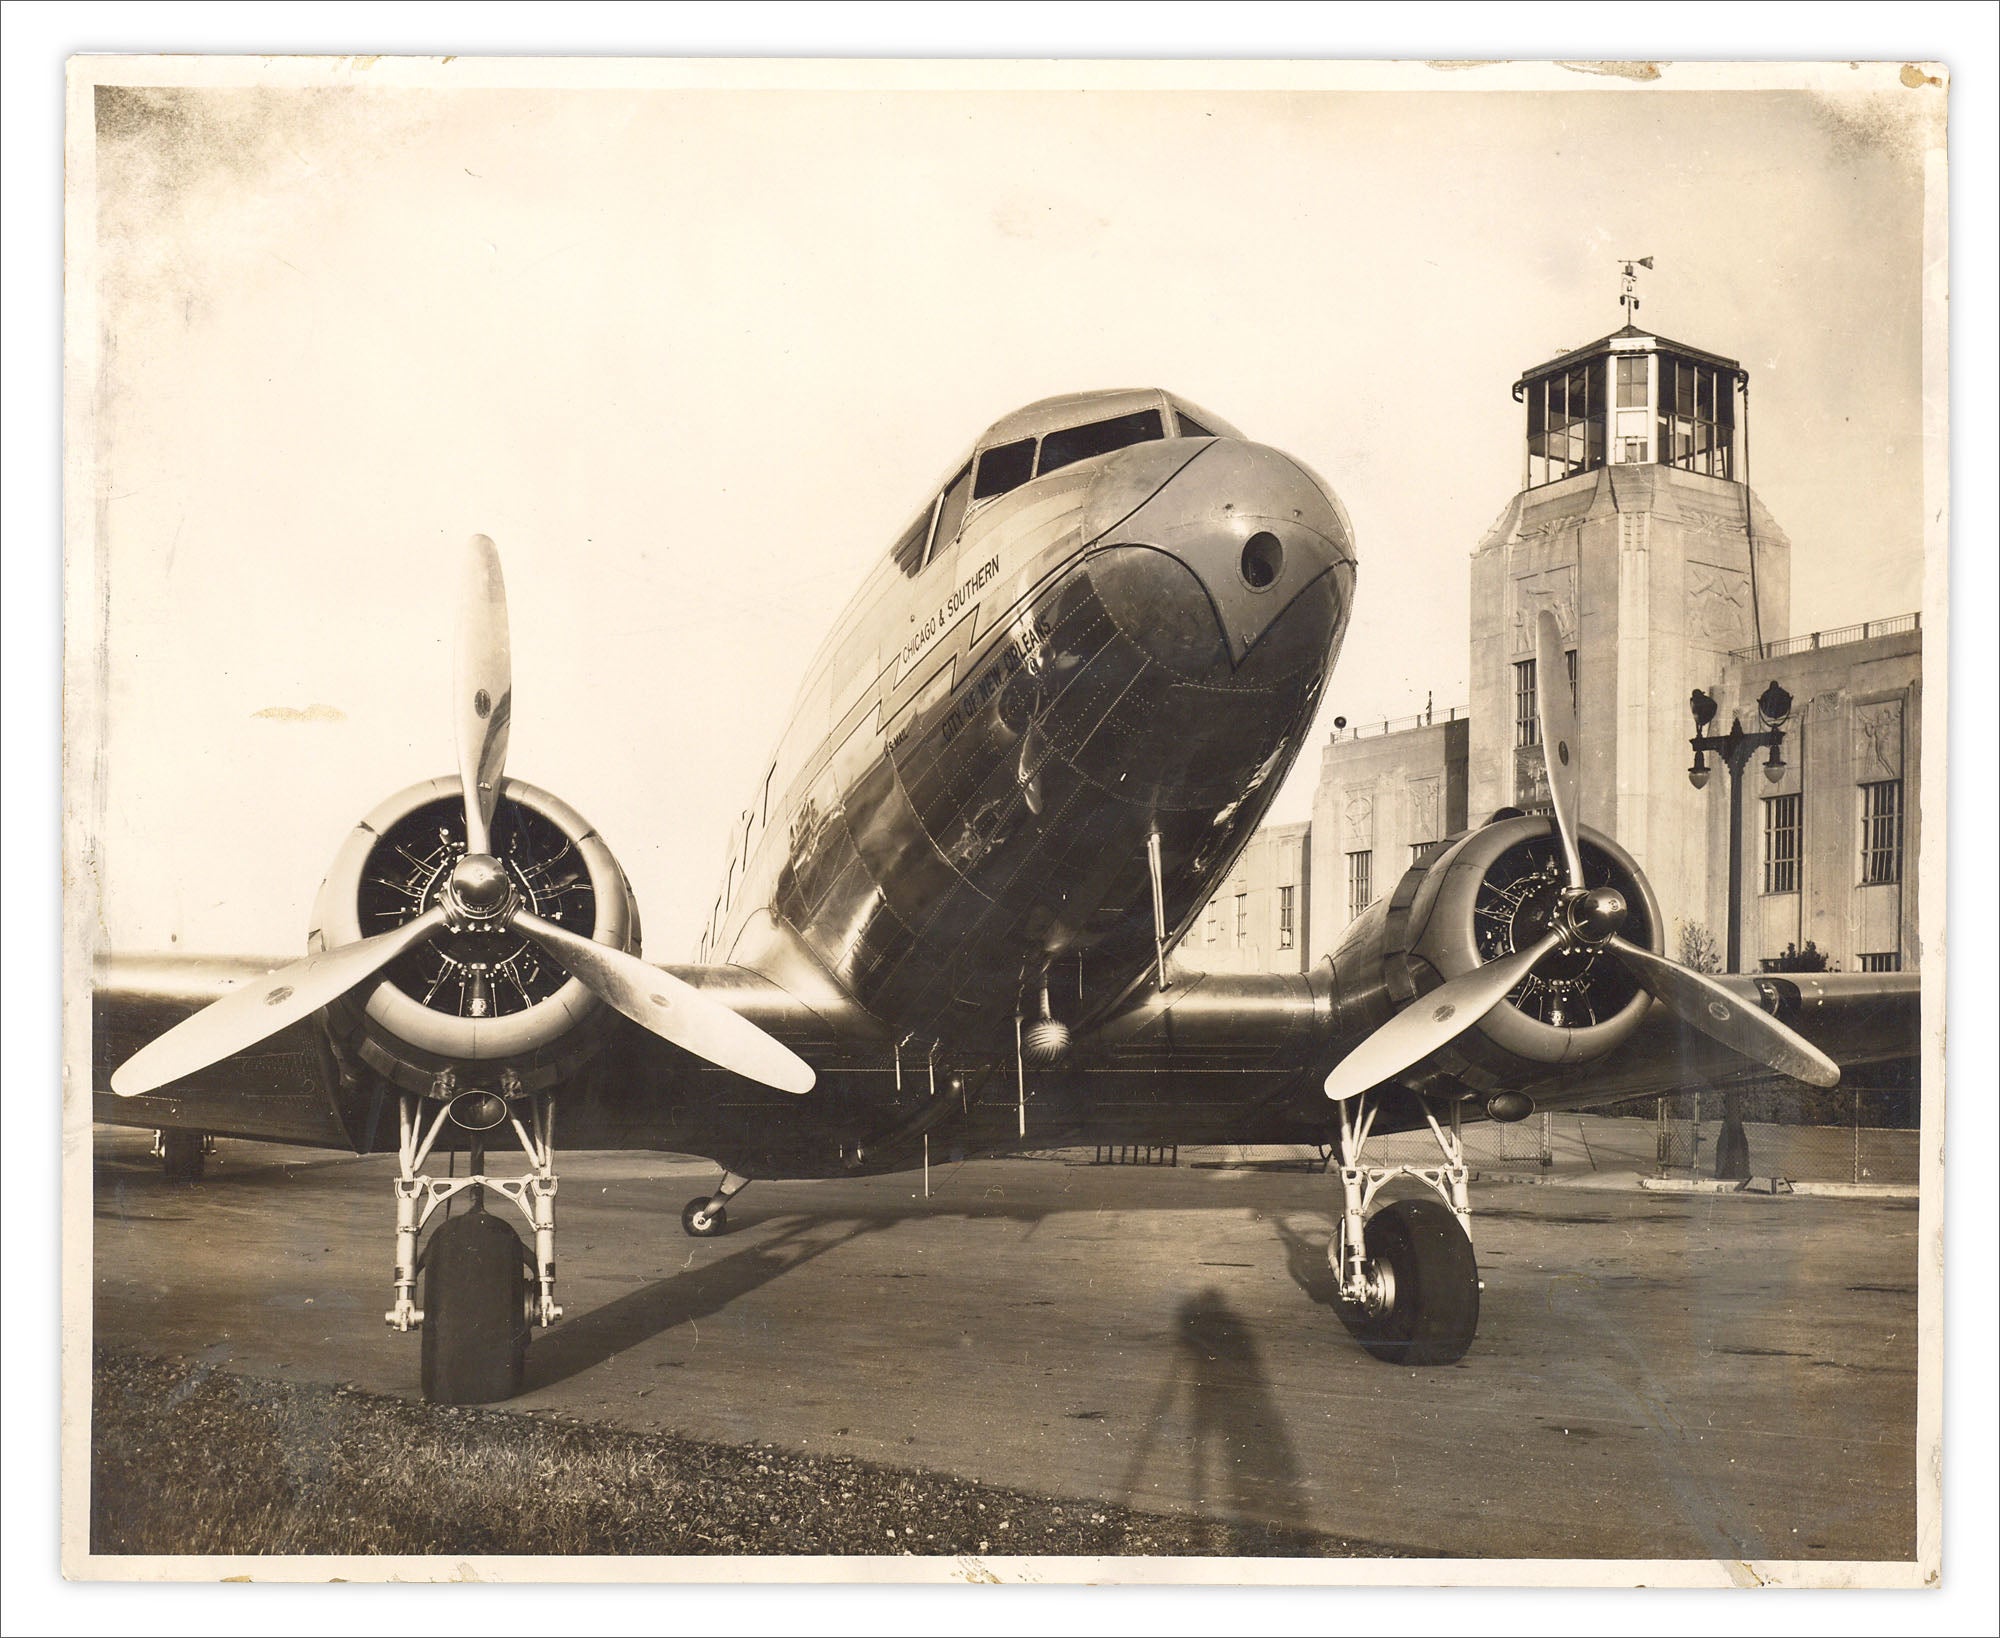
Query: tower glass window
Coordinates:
[1781,843]
[1360,882]
[1882,831]
[1565,424]
[1697,417]
[1285,928]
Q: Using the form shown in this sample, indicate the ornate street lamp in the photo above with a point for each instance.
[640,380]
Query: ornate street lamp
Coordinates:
[1736,748]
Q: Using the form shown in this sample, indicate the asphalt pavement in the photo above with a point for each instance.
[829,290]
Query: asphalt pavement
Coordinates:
[1656,1375]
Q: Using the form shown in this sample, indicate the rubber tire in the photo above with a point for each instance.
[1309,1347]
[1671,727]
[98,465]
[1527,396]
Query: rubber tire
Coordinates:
[183,1154]
[1435,1311]
[475,1300]
[718,1220]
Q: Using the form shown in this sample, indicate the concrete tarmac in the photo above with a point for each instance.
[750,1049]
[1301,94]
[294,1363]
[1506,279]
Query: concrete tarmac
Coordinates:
[1656,1376]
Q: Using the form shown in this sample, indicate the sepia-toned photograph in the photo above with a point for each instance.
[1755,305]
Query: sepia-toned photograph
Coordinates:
[1004,821]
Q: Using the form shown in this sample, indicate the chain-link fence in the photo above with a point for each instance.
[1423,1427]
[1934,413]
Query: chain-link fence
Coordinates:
[1855,1133]
[1852,1134]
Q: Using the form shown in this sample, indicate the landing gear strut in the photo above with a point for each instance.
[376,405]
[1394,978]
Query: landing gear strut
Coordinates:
[707,1215]
[483,1290]
[1409,1283]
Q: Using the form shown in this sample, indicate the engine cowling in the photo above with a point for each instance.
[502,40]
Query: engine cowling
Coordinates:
[491,998]
[1483,896]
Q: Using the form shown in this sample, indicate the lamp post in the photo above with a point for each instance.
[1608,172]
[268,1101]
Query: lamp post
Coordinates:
[1736,748]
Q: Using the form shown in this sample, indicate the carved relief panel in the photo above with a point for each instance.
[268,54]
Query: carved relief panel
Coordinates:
[1358,822]
[1878,741]
[1531,593]
[1718,606]
[1425,822]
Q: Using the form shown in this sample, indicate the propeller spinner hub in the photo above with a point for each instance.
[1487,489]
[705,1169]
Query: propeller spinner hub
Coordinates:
[1597,914]
[479,886]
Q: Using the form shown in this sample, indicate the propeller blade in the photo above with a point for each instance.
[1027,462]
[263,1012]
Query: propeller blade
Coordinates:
[1431,1021]
[1701,1003]
[1555,714]
[482,689]
[247,1015]
[673,1010]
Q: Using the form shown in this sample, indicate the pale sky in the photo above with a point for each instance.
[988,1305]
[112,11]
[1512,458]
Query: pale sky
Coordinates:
[692,359]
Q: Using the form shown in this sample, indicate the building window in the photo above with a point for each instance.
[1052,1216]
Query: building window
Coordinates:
[1697,416]
[1565,425]
[1210,924]
[1419,849]
[1632,385]
[1781,844]
[1888,961]
[1882,831]
[1284,918]
[1242,918]
[1632,451]
[1526,730]
[1360,883]
[1569,659]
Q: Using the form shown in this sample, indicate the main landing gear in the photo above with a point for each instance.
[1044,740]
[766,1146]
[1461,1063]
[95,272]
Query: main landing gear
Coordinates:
[183,1155]
[1409,1283]
[707,1215]
[483,1290]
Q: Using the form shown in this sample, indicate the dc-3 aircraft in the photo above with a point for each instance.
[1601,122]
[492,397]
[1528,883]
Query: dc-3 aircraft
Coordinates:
[1025,759]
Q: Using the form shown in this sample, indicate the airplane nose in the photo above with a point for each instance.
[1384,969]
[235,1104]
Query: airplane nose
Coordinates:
[1240,545]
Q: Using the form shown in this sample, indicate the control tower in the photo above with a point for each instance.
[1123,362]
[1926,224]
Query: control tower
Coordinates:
[1636,524]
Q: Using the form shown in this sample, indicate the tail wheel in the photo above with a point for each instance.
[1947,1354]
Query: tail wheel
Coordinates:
[1430,1286]
[476,1293]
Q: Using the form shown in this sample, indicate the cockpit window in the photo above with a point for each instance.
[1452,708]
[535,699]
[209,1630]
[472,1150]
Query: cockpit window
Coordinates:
[1191,428]
[951,513]
[1004,467]
[909,551]
[1073,444]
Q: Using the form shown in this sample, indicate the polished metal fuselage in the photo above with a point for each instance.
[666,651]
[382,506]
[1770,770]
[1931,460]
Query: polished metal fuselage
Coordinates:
[959,813]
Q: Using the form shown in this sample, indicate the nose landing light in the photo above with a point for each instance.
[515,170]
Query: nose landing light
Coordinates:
[1263,560]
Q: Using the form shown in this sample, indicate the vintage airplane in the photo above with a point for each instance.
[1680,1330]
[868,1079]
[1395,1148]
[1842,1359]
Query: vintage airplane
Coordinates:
[1026,758]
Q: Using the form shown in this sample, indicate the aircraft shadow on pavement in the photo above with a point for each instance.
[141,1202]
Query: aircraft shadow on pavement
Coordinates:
[579,1344]
[588,1340]
[1306,1259]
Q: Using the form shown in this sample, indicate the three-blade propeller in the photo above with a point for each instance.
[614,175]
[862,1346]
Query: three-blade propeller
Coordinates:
[1583,918]
[479,894]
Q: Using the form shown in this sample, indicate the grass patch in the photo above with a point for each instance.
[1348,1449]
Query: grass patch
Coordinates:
[186,1458]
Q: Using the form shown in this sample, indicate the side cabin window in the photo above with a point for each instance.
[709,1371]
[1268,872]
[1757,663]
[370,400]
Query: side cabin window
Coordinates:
[1073,444]
[1190,427]
[951,510]
[1004,467]
[908,552]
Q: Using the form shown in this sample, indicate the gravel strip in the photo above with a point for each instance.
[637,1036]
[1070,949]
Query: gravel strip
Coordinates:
[188,1458]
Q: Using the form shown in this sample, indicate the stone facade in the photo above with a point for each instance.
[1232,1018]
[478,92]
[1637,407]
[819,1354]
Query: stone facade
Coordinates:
[1383,795]
[1648,568]
[1261,921]
[1856,726]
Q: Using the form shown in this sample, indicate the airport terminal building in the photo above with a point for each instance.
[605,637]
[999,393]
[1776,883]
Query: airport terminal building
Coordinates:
[1636,525]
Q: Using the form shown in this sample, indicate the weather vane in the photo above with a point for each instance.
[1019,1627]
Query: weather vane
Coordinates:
[1628,295]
